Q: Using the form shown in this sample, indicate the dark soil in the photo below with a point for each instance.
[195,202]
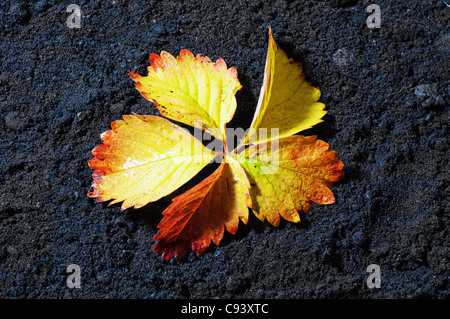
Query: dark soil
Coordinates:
[387,94]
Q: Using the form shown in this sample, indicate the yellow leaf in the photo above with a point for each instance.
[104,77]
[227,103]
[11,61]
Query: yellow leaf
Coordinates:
[287,102]
[286,175]
[144,158]
[191,89]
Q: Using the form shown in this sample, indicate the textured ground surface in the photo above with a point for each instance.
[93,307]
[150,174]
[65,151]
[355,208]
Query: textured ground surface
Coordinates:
[387,94]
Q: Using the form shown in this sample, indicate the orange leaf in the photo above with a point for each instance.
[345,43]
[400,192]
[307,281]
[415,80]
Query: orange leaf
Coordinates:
[288,174]
[201,214]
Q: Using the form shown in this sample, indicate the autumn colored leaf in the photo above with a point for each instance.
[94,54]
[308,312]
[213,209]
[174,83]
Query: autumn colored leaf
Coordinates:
[288,175]
[201,214]
[287,102]
[144,158]
[191,90]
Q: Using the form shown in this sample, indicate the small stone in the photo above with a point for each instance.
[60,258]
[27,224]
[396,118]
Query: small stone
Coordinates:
[426,90]
[235,284]
[13,120]
[428,95]
[11,250]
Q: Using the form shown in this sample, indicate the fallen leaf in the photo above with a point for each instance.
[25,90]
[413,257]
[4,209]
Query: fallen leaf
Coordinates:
[144,158]
[201,214]
[288,174]
[287,102]
[191,90]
